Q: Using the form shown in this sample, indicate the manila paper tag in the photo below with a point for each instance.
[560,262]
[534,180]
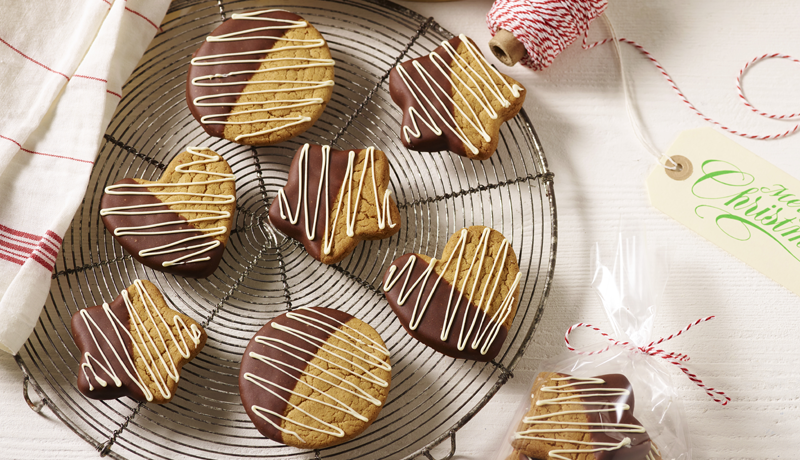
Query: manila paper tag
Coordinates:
[735,199]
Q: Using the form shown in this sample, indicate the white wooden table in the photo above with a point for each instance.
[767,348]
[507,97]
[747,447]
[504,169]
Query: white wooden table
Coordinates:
[752,349]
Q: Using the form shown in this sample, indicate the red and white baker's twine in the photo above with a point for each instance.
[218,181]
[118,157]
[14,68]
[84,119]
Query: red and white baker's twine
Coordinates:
[547,27]
[650,349]
[788,116]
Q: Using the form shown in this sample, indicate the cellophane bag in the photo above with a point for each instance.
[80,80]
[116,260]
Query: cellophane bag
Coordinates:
[629,284]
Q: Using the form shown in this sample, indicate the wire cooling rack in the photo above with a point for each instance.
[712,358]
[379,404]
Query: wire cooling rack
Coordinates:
[263,274]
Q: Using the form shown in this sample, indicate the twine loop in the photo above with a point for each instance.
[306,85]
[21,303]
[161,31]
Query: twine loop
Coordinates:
[746,102]
[650,349]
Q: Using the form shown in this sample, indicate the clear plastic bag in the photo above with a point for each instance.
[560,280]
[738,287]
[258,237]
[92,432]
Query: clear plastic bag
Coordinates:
[629,285]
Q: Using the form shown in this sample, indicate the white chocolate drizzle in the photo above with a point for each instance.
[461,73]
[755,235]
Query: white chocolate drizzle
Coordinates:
[291,63]
[654,452]
[376,356]
[488,328]
[578,394]
[480,75]
[153,363]
[199,206]
[382,215]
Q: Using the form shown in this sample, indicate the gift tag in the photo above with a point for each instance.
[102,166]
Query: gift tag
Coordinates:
[735,199]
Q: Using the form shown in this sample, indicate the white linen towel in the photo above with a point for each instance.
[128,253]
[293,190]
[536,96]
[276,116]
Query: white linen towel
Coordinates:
[62,67]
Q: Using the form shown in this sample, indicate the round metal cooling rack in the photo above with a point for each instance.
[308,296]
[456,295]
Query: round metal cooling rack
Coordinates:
[263,274]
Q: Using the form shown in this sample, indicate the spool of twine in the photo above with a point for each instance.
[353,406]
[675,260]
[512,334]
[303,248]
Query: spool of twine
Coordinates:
[534,32]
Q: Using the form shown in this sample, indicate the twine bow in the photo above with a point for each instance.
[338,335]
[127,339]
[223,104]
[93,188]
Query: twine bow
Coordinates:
[650,349]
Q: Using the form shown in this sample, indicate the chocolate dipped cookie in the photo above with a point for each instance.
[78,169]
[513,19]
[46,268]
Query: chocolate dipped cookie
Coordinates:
[453,99]
[314,378]
[333,199]
[582,419]
[463,304]
[260,78]
[179,224]
[135,346]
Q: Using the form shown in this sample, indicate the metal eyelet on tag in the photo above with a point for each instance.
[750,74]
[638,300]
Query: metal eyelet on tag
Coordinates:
[684,168]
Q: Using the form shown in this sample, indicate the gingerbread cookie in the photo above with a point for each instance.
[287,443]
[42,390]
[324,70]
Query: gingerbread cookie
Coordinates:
[135,346]
[335,198]
[463,304]
[453,99]
[581,419]
[260,78]
[314,378]
[179,224]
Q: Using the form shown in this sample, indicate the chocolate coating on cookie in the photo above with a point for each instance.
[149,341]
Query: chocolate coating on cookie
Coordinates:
[462,305]
[599,411]
[259,78]
[305,372]
[429,330]
[83,324]
[226,92]
[335,198]
[163,236]
[310,175]
[155,234]
[454,99]
[135,346]
[433,98]
[639,445]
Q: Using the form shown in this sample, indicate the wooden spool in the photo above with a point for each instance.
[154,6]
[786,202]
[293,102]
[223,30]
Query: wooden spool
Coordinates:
[506,47]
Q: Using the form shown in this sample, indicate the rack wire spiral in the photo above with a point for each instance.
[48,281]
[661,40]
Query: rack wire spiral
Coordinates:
[263,273]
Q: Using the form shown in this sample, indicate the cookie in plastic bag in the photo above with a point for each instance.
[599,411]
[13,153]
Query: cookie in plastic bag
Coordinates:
[617,402]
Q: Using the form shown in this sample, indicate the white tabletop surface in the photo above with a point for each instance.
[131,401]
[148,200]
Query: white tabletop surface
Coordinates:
[751,350]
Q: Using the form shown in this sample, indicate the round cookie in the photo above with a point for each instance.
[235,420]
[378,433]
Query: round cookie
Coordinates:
[260,78]
[314,378]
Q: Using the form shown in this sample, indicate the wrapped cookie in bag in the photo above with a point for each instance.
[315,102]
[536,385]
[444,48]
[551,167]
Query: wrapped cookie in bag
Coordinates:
[616,402]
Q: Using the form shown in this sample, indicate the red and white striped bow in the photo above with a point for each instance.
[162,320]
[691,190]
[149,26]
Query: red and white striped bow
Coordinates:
[650,349]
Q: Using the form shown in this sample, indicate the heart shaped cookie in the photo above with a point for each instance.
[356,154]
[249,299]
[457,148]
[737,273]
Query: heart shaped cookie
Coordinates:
[463,304]
[135,346]
[579,418]
[334,199]
[179,224]
[453,99]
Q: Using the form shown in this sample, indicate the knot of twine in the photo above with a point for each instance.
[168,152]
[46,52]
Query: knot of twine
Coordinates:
[650,349]
[544,27]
